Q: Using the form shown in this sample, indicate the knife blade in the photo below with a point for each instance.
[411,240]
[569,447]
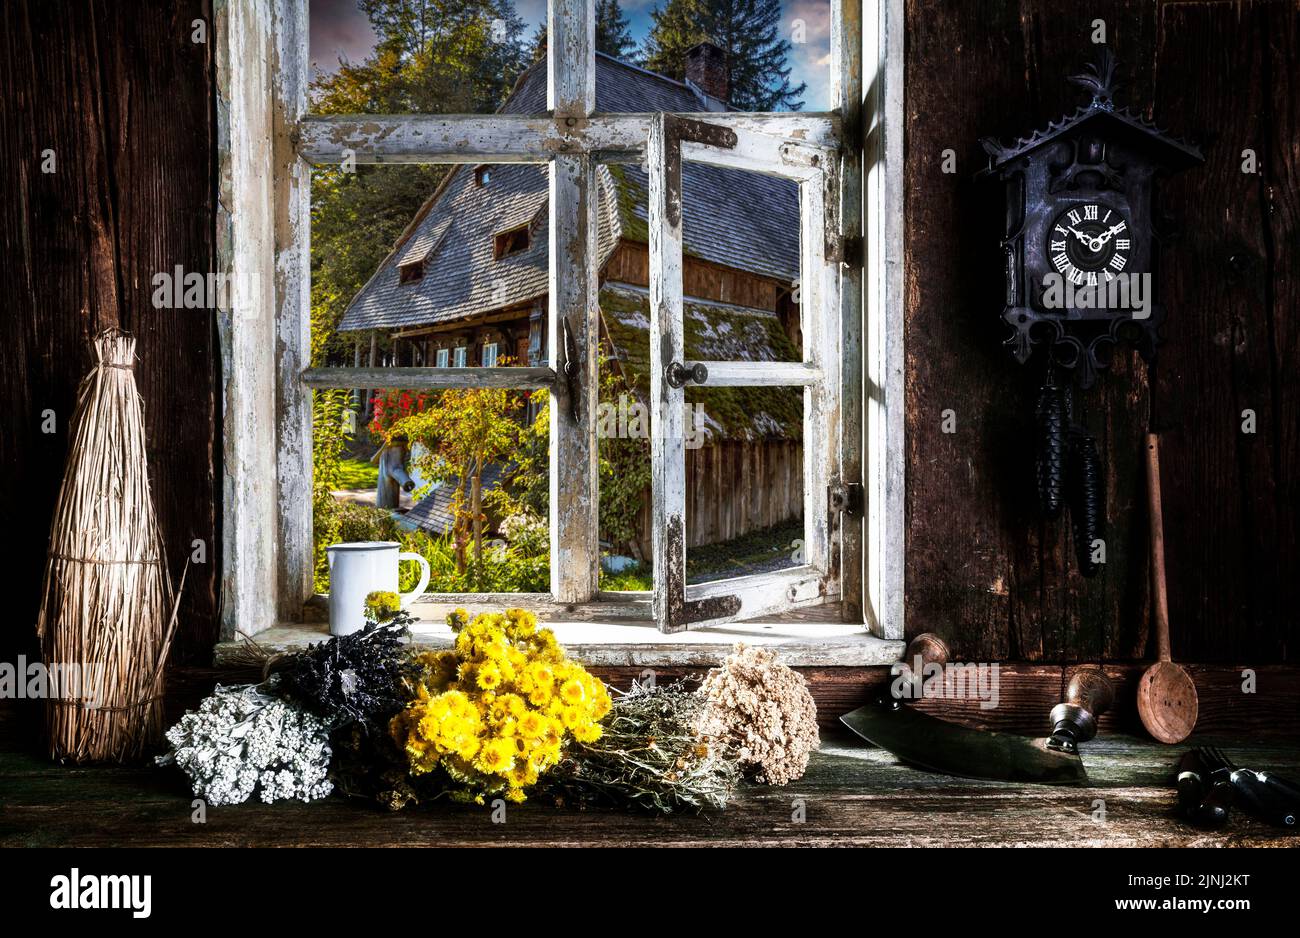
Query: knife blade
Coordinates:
[928,742]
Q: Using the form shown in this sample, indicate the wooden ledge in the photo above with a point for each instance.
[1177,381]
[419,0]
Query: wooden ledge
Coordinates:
[634,643]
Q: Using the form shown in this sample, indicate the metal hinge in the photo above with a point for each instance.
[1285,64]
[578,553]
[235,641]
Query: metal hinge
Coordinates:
[847,497]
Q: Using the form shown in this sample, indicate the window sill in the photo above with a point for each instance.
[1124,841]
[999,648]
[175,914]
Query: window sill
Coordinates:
[800,642]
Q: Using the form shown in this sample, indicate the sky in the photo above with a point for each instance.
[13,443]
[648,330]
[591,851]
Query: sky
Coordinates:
[340,30]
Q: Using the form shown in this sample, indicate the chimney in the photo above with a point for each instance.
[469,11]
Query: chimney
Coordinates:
[706,69]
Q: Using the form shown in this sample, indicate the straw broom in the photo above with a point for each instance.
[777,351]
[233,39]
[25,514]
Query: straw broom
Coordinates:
[107,613]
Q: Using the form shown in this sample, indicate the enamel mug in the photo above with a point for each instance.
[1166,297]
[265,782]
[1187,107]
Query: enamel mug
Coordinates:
[359,568]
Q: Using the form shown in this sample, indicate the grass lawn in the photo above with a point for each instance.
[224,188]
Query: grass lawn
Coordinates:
[358,474]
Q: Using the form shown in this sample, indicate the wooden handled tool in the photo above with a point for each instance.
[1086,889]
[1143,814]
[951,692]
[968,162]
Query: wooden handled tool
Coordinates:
[1166,694]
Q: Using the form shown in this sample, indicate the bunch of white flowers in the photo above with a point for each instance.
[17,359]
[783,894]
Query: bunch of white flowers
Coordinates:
[764,710]
[242,739]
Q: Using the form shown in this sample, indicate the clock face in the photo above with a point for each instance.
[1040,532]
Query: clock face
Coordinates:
[1089,243]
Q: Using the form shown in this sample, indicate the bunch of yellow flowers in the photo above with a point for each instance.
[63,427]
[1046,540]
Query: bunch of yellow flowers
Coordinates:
[496,712]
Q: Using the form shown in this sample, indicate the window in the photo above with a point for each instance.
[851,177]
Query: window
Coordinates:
[489,354]
[409,273]
[511,242]
[442,358]
[850,290]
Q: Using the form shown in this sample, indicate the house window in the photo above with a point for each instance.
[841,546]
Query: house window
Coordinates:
[511,242]
[489,354]
[851,330]
[442,358]
[410,273]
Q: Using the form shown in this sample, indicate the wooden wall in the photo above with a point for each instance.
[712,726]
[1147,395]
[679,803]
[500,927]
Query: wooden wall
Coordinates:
[981,568]
[123,97]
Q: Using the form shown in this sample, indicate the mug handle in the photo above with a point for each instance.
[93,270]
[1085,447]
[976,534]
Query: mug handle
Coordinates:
[424,577]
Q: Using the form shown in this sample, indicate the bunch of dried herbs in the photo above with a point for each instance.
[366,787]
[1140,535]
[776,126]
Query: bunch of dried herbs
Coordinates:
[650,757]
[353,679]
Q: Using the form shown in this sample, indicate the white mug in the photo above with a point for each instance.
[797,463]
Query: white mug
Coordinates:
[358,569]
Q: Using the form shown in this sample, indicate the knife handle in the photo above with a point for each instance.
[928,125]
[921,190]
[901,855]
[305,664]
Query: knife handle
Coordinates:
[1087,697]
[925,649]
[1264,801]
[1280,785]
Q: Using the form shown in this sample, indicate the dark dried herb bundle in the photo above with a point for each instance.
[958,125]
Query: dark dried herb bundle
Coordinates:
[1087,491]
[1050,448]
[650,757]
[353,678]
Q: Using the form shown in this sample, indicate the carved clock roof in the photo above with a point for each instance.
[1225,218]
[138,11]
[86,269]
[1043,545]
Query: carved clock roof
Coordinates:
[1100,80]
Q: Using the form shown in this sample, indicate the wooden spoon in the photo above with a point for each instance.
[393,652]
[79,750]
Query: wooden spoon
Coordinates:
[1166,694]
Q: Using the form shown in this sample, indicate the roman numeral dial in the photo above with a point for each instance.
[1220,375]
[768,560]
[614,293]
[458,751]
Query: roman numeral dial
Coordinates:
[1088,242]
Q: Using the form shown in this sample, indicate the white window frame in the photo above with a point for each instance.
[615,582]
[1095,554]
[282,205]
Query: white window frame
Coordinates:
[441,358]
[489,361]
[270,145]
[460,357]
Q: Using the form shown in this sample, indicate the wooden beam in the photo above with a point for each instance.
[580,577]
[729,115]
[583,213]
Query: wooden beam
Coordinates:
[246,256]
[292,192]
[667,407]
[885,394]
[574,321]
[514,138]
[522,379]
[759,374]
[847,95]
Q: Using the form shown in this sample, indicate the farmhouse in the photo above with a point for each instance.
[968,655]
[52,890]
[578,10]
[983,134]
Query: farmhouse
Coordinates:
[466,286]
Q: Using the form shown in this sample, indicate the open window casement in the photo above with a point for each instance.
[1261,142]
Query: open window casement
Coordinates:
[674,140]
[849,372]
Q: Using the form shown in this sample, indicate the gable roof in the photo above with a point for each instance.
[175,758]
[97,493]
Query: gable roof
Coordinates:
[1101,79]
[737,219]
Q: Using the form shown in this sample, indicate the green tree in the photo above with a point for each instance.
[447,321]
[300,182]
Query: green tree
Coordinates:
[463,432]
[748,31]
[612,34]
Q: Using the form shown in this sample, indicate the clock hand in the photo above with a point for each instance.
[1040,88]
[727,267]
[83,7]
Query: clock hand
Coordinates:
[1079,234]
[1104,238]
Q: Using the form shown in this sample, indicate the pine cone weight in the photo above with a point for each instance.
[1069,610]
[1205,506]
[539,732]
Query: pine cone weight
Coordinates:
[1050,449]
[1087,493]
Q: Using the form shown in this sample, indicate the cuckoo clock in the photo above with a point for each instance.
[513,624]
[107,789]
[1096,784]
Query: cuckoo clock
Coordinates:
[1080,252]
[1080,239]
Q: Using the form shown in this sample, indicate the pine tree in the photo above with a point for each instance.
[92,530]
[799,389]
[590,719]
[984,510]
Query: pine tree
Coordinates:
[748,31]
[612,35]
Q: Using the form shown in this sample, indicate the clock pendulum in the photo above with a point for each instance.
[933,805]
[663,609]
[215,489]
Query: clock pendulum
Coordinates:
[1080,262]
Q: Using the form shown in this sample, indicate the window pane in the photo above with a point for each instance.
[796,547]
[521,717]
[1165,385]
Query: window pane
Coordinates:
[406,270]
[460,477]
[464,57]
[744,481]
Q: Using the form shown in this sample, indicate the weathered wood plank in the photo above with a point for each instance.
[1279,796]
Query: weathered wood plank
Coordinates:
[847,94]
[885,398]
[292,208]
[529,379]
[522,138]
[851,795]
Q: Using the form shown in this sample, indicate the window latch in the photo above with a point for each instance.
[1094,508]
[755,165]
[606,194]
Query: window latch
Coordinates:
[678,375]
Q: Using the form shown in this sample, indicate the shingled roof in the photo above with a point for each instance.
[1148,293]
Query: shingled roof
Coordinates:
[734,218]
